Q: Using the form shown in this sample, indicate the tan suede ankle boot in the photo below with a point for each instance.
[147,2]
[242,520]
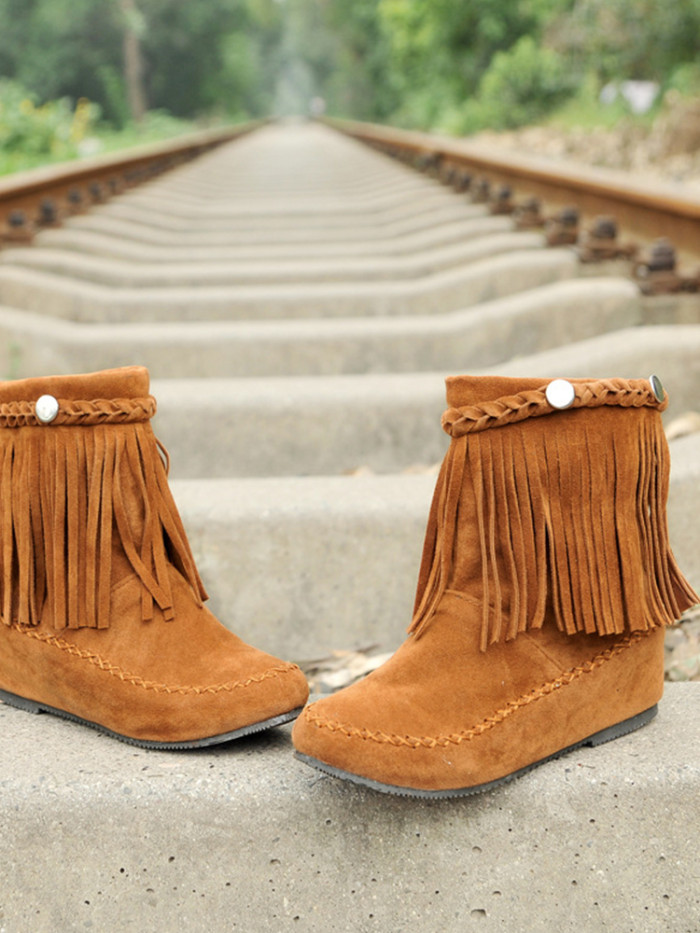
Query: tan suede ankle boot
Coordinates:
[546,583]
[100,600]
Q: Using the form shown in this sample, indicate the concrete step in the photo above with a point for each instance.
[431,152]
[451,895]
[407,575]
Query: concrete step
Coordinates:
[486,279]
[538,319]
[98,835]
[307,565]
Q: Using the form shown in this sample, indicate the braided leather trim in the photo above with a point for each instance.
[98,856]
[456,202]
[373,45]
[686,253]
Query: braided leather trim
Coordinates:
[80,412]
[627,393]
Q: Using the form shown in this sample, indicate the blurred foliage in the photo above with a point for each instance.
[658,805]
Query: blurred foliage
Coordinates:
[518,87]
[628,39]
[440,50]
[54,129]
[435,64]
[464,67]
[200,57]
[33,133]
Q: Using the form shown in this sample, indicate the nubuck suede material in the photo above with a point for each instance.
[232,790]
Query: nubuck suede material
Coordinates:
[101,605]
[546,582]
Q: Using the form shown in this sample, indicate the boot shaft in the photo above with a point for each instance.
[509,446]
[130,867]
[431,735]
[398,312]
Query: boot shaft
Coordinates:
[84,500]
[545,511]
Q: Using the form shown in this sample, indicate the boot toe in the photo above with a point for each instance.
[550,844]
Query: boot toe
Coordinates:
[216,713]
[327,736]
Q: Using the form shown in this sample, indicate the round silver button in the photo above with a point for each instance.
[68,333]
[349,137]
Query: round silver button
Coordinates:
[560,393]
[657,388]
[46,408]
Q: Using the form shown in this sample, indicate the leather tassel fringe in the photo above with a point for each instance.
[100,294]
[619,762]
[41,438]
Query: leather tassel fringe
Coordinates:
[569,525]
[71,493]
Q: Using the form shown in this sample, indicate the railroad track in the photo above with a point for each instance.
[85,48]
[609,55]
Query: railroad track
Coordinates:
[45,197]
[645,212]
[299,299]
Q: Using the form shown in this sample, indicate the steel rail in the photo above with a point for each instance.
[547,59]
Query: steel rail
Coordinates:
[43,196]
[646,211]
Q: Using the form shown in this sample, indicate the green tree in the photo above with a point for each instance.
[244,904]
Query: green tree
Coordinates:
[58,48]
[424,63]
[441,49]
[194,57]
[518,87]
[637,39]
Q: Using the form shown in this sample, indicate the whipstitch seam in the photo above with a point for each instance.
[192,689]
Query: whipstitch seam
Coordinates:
[489,722]
[137,681]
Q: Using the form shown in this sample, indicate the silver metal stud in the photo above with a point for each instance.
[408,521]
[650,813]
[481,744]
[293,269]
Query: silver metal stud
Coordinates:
[46,408]
[560,393]
[657,388]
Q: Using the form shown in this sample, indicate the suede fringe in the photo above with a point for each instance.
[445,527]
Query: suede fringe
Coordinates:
[67,494]
[572,524]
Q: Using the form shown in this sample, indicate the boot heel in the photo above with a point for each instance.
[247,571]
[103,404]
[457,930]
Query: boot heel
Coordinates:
[11,699]
[622,728]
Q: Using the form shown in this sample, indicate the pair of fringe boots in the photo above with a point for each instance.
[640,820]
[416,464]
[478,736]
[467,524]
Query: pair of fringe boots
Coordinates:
[546,583]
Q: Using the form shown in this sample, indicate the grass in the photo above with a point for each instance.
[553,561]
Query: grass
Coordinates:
[155,128]
[586,111]
[591,115]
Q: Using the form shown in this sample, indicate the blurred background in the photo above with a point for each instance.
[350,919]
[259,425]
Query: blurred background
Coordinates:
[613,82]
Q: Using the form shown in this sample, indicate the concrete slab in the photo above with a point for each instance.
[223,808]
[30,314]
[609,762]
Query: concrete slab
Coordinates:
[292,157]
[684,505]
[229,186]
[124,247]
[485,280]
[124,274]
[100,836]
[681,308]
[297,237]
[670,351]
[152,225]
[296,426]
[540,318]
[329,218]
[332,424]
[322,425]
[210,183]
[308,565]
[364,205]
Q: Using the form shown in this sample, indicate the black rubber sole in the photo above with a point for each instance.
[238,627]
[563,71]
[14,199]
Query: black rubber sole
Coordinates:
[32,706]
[598,738]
